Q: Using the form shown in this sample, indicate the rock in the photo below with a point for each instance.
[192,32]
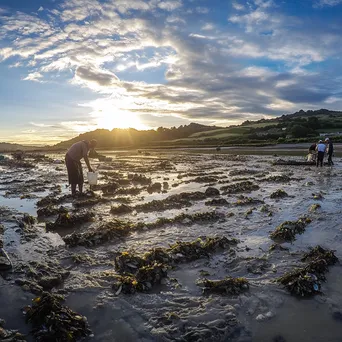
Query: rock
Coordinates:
[5,262]
[212,192]
[269,315]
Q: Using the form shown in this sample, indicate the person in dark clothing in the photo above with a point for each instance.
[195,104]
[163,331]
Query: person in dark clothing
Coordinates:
[73,158]
[321,148]
[312,153]
[330,151]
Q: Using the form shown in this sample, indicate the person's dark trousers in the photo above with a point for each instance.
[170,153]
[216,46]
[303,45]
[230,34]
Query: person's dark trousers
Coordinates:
[330,162]
[320,157]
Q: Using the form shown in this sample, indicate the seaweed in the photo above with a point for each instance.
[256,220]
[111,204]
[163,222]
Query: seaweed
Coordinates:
[245,186]
[53,321]
[306,281]
[288,230]
[67,220]
[121,209]
[139,178]
[319,252]
[51,211]
[217,202]
[155,187]
[243,200]
[315,207]
[278,179]
[228,286]
[210,191]
[113,230]
[280,193]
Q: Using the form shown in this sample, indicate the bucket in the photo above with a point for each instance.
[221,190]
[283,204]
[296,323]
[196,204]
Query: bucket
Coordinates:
[92,178]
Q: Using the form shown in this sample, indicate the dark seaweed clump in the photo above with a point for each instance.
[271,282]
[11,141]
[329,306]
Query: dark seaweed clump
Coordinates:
[121,209]
[51,211]
[141,273]
[67,220]
[228,285]
[280,193]
[306,281]
[172,202]
[217,202]
[320,253]
[113,230]
[243,200]
[288,230]
[245,186]
[53,321]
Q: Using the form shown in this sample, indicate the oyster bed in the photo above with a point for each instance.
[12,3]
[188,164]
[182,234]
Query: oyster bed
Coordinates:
[172,246]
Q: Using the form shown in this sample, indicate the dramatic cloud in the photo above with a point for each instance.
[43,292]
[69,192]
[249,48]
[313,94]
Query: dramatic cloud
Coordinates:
[174,59]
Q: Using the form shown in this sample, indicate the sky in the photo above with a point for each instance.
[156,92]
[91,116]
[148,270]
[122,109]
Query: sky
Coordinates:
[71,66]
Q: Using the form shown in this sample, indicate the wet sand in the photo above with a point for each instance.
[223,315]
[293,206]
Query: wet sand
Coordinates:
[176,309]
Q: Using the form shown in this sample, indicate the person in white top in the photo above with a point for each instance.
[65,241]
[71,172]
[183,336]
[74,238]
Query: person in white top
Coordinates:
[321,148]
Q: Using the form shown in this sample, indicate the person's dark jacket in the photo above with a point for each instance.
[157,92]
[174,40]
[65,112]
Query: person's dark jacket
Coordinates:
[330,149]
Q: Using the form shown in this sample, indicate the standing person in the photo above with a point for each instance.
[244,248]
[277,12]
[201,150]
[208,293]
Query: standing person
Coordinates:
[73,158]
[330,151]
[321,147]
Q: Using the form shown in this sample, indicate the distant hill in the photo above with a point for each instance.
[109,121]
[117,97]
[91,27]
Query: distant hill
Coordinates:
[7,147]
[117,138]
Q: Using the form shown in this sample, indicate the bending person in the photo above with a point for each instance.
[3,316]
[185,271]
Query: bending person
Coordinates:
[73,158]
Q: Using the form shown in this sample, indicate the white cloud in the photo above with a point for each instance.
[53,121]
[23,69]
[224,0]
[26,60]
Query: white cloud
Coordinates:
[238,6]
[322,3]
[35,76]
[208,27]
[170,5]
[41,8]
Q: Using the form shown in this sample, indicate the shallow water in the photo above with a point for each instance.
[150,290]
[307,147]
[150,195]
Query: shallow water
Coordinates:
[138,317]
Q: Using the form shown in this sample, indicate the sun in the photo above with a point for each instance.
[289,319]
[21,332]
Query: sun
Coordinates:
[110,119]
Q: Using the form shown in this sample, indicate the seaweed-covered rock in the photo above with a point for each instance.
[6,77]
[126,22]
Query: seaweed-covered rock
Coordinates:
[315,207]
[217,202]
[172,202]
[280,193]
[244,200]
[199,248]
[142,281]
[320,253]
[306,281]
[212,192]
[245,186]
[66,220]
[53,321]
[288,230]
[139,178]
[51,211]
[113,230]
[155,187]
[121,209]
[228,285]
[205,179]
[5,261]
[27,220]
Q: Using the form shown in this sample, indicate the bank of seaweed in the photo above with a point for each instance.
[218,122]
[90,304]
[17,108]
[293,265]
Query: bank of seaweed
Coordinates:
[226,286]
[68,220]
[53,321]
[287,231]
[245,186]
[139,273]
[306,281]
[7,335]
